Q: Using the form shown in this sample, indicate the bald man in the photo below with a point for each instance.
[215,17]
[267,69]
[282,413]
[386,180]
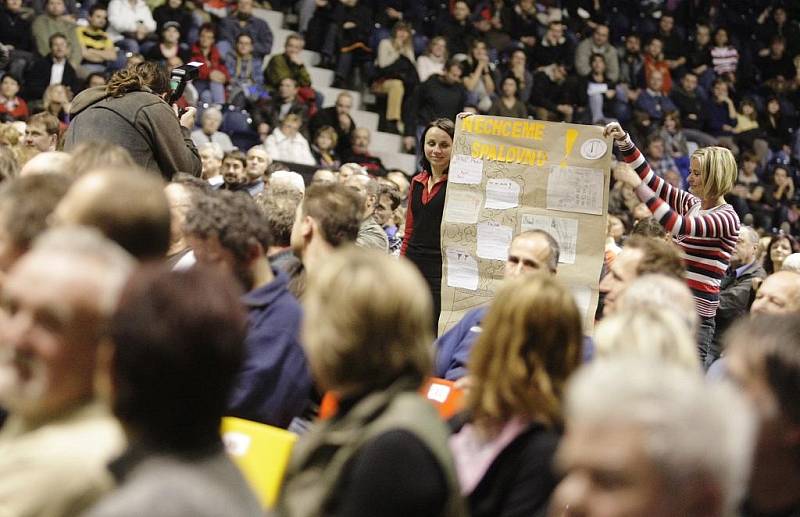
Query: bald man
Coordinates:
[778,294]
[534,250]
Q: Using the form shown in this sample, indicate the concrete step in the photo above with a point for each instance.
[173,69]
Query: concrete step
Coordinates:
[405,162]
[320,76]
[367,119]
[279,39]
[386,141]
[273,18]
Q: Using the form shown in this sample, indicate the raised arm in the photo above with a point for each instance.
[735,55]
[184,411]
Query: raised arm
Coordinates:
[679,200]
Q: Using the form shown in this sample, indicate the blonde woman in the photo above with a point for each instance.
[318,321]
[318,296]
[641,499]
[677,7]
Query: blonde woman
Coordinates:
[530,344]
[702,223]
[385,451]
[56,101]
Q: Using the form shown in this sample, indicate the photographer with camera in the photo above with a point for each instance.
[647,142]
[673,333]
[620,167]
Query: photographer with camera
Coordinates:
[132,111]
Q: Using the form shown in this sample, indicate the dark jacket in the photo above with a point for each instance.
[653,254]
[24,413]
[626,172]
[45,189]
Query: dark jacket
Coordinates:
[38,78]
[735,297]
[15,30]
[330,117]
[141,122]
[230,29]
[274,383]
[435,98]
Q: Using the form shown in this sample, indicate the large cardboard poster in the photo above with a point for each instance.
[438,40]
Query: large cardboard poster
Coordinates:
[510,175]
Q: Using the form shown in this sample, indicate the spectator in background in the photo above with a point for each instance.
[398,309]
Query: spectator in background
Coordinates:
[210,121]
[396,76]
[328,217]
[169,46]
[724,56]
[692,107]
[279,206]
[779,293]
[672,42]
[508,104]
[360,154]
[42,132]
[286,102]
[654,60]
[675,142]
[246,86]
[554,48]
[631,62]
[520,426]
[347,39]
[189,329]
[131,24]
[258,162]
[776,125]
[287,143]
[16,34]
[55,20]
[182,192]
[289,64]
[11,104]
[611,425]
[53,68]
[388,201]
[779,195]
[597,93]
[776,64]
[698,59]
[25,206]
[373,352]
[234,171]
[59,436]
[653,100]
[655,153]
[242,21]
[213,76]
[338,117]
[127,205]
[457,28]
[433,59]
[477,76]
[762,356]
[736,292]
[441,96]
[517,67]
[56,101]
[176,11]
[597,44]
[211,155]
[780,246]
[226,231]
[721,115]
[97,49]
[551,98]
[324,148]
[370,233]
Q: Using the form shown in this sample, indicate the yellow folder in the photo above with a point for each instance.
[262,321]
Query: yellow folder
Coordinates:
[261,453]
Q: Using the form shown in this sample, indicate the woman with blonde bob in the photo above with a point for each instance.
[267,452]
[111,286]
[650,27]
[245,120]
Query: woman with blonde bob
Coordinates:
[529,346]
[702,223]
[367,336]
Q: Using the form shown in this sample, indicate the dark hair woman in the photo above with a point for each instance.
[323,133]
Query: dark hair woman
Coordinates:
[422,240]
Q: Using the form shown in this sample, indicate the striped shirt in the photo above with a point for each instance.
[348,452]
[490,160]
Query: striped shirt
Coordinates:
[706,237]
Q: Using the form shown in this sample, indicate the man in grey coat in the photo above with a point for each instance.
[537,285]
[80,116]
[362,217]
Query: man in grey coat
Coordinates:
[131,112]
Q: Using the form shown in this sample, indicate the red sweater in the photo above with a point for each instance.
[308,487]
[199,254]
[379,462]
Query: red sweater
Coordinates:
[706,237]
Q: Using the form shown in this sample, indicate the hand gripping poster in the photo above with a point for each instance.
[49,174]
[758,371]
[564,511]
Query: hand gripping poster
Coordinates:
[508,176]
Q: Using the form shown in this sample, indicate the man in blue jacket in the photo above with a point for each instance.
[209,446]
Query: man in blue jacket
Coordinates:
[226,230]
[533,250]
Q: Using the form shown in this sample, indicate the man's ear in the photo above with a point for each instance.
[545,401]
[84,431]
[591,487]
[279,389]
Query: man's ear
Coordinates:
[308,227]
[255,252]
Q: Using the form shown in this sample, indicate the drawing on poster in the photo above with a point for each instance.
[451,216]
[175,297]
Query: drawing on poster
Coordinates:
[563,230]
[465,169]
[494,240]
[463,207]
[462,269]
[502,194]
[575,189]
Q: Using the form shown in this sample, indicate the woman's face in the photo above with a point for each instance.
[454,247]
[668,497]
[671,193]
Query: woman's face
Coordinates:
[438,147]
[290,128]
[779,176]
[695,178]
[9,87]
[509,87]
[721,38]
[244,46]
[171,35]
[773,107]
[479,52]
[206,39]
[324,141]
[749,167]
[670,123]
[747,109]
[438,48]
[780,250]
[402,36]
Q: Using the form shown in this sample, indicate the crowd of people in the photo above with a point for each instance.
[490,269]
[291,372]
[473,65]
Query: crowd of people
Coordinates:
[164,265]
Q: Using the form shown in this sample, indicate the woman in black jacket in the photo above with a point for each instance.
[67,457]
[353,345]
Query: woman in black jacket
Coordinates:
[422,239]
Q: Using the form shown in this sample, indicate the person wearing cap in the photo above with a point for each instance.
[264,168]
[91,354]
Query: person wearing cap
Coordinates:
[169,46]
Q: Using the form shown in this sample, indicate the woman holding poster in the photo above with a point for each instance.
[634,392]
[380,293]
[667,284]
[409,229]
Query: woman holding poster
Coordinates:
[422,239]
[701,222]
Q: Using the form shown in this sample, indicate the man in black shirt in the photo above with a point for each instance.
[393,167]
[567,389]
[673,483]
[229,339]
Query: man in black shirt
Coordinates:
[692,107]
[338,117]
[441,96]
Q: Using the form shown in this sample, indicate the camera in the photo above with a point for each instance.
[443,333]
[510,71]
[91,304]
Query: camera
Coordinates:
[179,77]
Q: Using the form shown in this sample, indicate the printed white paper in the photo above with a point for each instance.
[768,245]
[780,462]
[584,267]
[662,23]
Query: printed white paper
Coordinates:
[462,269]
[575,189]
[465,169]
[502,194]
[494,240]
[563,230]
[462,207]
